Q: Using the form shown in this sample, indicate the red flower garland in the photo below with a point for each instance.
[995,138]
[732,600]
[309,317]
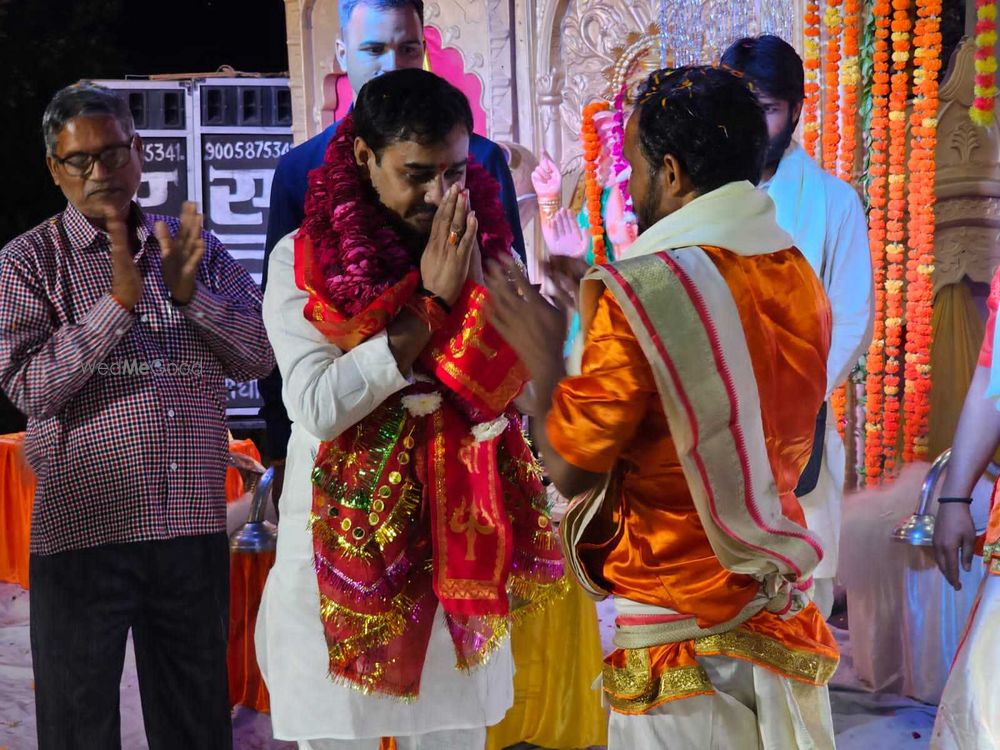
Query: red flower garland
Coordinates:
[985,88]
[357,247]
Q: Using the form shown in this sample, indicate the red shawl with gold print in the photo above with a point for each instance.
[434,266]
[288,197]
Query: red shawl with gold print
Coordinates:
[435,496]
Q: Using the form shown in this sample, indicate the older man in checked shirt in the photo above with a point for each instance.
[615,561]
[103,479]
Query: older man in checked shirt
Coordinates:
[116,331]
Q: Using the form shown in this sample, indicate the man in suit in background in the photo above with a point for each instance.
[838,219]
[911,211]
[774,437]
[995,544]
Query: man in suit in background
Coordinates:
[376,36]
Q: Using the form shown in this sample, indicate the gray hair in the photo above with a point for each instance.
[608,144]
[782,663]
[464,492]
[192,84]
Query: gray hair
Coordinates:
[85,99]
[346,7]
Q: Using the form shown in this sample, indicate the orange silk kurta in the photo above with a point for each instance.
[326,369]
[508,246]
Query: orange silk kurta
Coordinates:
[611,417]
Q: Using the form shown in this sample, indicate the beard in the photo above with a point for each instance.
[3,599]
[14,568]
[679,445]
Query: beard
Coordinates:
[777,146]
[646,209]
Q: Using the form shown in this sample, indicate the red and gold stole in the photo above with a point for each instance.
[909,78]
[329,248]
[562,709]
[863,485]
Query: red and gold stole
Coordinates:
[435,496]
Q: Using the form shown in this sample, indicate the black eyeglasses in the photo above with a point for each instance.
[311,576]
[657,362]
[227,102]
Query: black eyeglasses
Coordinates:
[81,164]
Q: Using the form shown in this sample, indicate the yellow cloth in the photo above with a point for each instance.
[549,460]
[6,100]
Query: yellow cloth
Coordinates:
[557,658]
[958,333]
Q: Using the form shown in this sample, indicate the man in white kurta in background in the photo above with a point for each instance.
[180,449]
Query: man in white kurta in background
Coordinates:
[825,217]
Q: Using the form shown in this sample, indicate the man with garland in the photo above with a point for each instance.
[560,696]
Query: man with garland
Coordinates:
[679,441]
[376,37]
[825,218]
[413,504]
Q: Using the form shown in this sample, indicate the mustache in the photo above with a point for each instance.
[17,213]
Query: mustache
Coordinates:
[422,211]
[103,188]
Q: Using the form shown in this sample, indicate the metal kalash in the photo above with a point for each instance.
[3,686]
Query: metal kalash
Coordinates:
[256,535]
[918,529]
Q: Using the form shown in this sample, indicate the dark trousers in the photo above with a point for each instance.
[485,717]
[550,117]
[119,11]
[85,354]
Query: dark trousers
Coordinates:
[174,595]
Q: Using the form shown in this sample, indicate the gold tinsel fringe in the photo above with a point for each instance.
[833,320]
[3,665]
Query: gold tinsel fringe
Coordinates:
[367,685]
[499,626]
[331,538]
[375,630]
[399,518]
[545,540]
[536,596]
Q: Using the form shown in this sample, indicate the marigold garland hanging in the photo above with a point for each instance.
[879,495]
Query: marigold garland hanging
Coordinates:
[895,250]
[985,90]
[850,79]
[920,230]
[591,155]
[811,63]
[831,86]
[878,181]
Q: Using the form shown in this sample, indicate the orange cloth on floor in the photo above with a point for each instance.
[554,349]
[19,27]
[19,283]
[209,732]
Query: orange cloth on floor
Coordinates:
[234,482]
[653,548]
[17,493]
[247,575]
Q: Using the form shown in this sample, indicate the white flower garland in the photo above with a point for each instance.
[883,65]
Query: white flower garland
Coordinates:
[488,430]
[422,404]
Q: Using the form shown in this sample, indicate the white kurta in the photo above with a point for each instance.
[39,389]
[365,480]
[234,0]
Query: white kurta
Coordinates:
[825,217]
[325,392]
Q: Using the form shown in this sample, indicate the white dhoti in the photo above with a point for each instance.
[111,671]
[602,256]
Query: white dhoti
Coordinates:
[969,714]
[752,709]
[307,705]
[455,739]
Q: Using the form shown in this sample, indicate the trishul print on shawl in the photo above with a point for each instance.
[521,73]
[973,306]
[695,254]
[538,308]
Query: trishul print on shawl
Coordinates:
[433,498]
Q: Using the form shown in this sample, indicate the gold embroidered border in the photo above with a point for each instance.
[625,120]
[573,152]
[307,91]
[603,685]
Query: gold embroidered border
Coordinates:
[633,690]
[500,397]
[767,652]
[991,558]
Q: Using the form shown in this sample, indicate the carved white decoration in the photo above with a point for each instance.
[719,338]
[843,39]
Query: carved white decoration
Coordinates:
[592,36]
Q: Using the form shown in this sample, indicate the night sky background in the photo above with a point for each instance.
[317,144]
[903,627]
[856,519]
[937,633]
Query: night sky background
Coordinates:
[48,44]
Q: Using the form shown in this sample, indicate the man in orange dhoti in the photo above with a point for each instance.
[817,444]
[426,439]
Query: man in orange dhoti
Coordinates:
[685,433]
[969,713]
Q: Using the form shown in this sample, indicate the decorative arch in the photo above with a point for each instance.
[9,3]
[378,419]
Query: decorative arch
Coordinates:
[579,42]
